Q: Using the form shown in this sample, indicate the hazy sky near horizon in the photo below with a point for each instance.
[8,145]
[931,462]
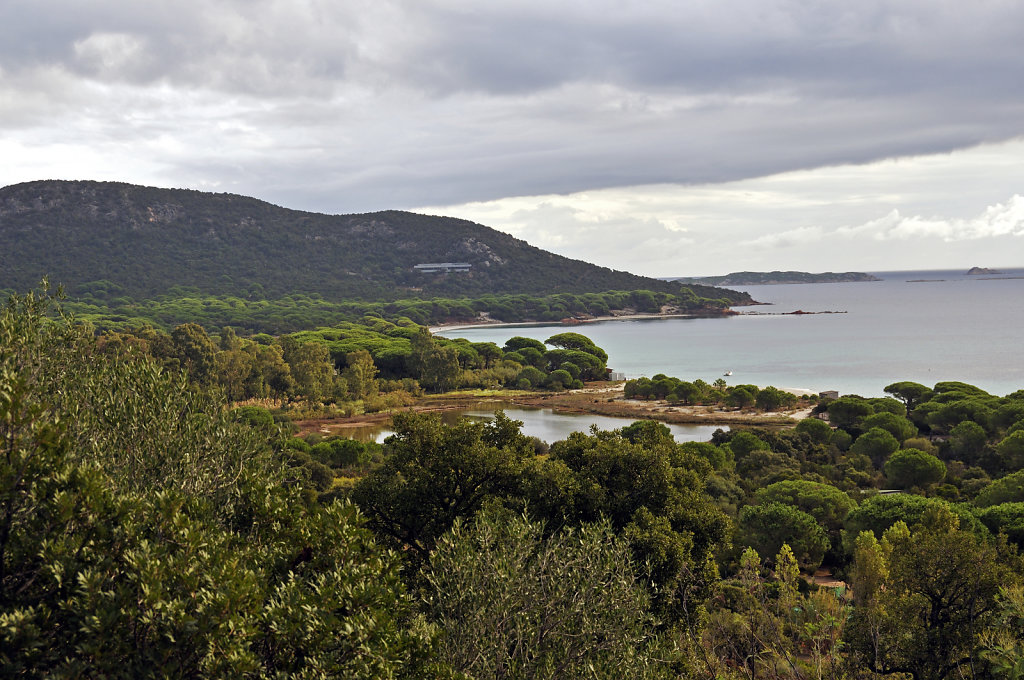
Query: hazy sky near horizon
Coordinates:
[665,138]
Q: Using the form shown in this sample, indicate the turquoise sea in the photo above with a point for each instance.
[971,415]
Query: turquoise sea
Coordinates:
[925,326]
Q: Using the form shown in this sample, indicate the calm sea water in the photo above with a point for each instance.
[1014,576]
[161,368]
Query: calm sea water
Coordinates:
[925,326]
[545,424]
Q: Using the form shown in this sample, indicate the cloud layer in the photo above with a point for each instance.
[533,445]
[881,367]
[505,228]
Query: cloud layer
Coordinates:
[366,105]
[939,211]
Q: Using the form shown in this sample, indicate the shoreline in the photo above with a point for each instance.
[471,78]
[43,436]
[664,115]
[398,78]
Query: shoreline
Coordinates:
[575,321]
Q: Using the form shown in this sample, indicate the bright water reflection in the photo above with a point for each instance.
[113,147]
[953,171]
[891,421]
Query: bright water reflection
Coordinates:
[920,326]
[543,424]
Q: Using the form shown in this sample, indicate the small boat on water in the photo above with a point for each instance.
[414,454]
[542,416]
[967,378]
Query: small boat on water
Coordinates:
[727,373]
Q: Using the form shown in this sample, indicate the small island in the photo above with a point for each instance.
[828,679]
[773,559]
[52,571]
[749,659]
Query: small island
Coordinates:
[982,271]
[777,277]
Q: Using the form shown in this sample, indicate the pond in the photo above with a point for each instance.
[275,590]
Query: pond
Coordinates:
[542,423]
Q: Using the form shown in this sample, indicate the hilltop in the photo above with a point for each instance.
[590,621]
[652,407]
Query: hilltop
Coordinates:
[140,242]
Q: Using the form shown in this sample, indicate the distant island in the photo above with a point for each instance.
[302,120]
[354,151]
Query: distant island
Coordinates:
[981,271]
[773,278]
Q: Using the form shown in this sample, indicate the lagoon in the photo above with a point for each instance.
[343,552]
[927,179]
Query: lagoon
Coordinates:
[925,326]
[541,423]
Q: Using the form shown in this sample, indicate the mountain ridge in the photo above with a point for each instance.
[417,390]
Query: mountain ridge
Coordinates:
[144,241]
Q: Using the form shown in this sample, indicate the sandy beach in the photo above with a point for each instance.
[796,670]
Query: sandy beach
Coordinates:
[575,321]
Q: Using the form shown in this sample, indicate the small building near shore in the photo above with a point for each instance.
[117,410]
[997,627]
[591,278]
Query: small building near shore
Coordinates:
[616,375]
[442,267]
[829,394]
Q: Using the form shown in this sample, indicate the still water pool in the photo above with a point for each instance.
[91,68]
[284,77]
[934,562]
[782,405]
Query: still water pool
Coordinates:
[542,423]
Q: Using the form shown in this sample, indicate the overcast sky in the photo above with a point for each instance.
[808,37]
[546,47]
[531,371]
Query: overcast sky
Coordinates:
[664,138]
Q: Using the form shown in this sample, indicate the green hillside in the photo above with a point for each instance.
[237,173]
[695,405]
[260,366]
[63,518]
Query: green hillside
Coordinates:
[141,242]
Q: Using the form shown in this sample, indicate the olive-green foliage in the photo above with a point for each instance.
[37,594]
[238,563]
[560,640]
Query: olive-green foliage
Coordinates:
[910,393]
[741,396]
[764,456]
[767,527]
[1008,413]
[575,341]
[967,441]
[887,405]
[932,591]
[848,412]
[340,452]
[360,375]
[434,474]
[560,380]
[388,343]
[877,444]
[771,399]
[195,352]
[745,442]
[1011,451]
[896,425]
[764,627]
[718,457]
[650,489]
[841,439]
[514,603]
[826,504]
[641,388]
[947,414]
[146,428]
[295,311]
[517,343]
[590,365]
[912,468]
[311,368]
[434,364]
[973,420]
[881,512]
[356,361]
[1003,642]
[1008,489]
[255,417]
[534,378]
[1007,518]
[816,429]
[115,565]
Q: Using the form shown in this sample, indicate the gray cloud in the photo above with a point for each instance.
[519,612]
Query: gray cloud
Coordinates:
[381,104]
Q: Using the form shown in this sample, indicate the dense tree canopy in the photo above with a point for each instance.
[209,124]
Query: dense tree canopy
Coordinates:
[515,603]
[929,592]
[163,534]
[435,474]
[768,526]
[910,467]
[146,524]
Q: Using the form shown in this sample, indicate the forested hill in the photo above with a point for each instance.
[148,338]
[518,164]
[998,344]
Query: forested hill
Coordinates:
[145,241]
